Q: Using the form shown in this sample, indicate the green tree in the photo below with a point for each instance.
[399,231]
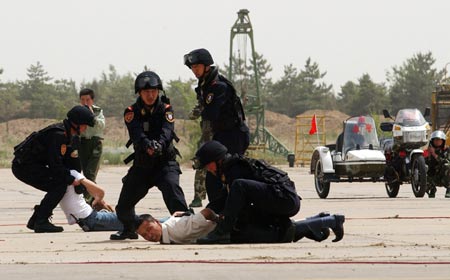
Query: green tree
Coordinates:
[182,97]
[411,83]
[114,92]
[299,91]
[366,97]
[42,96]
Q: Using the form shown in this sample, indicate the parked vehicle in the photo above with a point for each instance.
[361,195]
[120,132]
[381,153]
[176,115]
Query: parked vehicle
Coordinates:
[356,156]
[405,162]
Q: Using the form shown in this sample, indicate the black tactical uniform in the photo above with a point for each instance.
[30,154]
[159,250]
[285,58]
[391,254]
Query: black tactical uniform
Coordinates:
[44,161]
[149,127]
[260,202]
[223,109]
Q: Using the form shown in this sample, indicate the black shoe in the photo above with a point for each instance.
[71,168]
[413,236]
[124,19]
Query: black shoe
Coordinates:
[32,219]
[46,226]
[215,237]
[339,228]
[122,235]
[288,233]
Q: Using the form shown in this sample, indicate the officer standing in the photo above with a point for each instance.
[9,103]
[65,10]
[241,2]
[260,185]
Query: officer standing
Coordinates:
[150,124]
[44,160]
[261,192]
[223,109]
[91,147]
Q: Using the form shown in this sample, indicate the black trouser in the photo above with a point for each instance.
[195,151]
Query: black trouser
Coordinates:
[267,199]
[236,141]
[137,183]
[42,178]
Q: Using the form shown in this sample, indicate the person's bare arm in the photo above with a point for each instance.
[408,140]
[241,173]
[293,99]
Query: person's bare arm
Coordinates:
[98,193]
[209,214]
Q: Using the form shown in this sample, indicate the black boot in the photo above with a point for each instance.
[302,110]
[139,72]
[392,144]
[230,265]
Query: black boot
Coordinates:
[32,219]
[44,225]
[122,235]
[338,229]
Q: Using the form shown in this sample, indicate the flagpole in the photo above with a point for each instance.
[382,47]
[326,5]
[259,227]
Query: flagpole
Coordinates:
[317,133]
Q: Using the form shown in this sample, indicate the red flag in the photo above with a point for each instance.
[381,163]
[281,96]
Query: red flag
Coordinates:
[313,125]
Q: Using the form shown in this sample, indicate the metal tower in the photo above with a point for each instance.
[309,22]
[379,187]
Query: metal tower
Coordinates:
[260,137]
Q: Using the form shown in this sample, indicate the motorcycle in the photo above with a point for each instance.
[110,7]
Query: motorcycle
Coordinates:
[405,162]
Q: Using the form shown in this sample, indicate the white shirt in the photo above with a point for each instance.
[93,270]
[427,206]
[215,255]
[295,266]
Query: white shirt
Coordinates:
[73,203]
[185,229]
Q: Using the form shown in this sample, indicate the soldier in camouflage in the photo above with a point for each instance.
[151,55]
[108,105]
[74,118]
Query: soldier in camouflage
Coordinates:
[200,174]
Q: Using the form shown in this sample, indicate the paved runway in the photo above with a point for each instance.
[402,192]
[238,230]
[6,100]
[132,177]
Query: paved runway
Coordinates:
[401,238]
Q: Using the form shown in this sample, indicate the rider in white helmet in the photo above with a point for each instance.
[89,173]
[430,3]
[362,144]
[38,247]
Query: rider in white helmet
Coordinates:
[438,159]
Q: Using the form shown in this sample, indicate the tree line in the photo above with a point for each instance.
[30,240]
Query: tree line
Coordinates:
[299,89]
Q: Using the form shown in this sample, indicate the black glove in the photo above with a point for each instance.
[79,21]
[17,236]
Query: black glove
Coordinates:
[156,147]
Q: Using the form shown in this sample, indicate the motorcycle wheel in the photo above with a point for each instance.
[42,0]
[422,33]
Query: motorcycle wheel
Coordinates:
[392,189]
[322,188]
[419,176]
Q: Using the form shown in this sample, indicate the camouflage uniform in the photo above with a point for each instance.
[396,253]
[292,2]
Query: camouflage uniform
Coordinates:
[200,174]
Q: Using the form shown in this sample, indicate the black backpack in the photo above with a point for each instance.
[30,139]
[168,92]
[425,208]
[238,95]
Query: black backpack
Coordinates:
[31,147]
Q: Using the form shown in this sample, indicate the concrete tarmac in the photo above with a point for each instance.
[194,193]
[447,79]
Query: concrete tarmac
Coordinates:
[385,238]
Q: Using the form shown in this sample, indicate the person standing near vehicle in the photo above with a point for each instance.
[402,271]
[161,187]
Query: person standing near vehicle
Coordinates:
[438,156]
[44,160]
[91,147]
[150,124]
[223,109]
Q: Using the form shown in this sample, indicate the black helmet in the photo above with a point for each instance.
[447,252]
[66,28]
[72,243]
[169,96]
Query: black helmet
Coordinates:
[209,152]
[147,80]
[81,115]
[198,56]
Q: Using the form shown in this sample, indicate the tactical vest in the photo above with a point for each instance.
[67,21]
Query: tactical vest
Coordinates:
[232,112]
[31,148]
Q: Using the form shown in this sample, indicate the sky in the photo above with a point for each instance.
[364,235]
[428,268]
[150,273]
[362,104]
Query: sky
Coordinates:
[79,39]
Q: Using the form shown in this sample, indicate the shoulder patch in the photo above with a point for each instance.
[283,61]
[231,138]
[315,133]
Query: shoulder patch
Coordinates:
[129,116]
[209,98]
[169,117]
[167,106]
[63,149]
[74,154]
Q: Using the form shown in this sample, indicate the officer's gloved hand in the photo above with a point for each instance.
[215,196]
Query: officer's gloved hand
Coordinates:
[195,112]
[154,148]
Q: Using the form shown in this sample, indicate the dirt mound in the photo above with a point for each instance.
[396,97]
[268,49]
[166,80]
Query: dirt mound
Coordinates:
[280,125]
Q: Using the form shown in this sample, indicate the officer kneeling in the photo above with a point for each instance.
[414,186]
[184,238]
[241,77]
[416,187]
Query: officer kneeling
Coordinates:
[44,160]
[260,195]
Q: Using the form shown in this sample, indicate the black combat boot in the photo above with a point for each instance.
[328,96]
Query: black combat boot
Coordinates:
[32,219]
[338,229]
[44,225]
[122,235]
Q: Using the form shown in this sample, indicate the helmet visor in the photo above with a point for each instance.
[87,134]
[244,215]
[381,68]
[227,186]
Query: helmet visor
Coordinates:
[148,82]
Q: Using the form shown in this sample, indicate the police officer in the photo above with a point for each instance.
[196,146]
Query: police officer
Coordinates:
[150,124]
[438,171]
[44,160]
[264,192]
[91,147]
[221,106]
